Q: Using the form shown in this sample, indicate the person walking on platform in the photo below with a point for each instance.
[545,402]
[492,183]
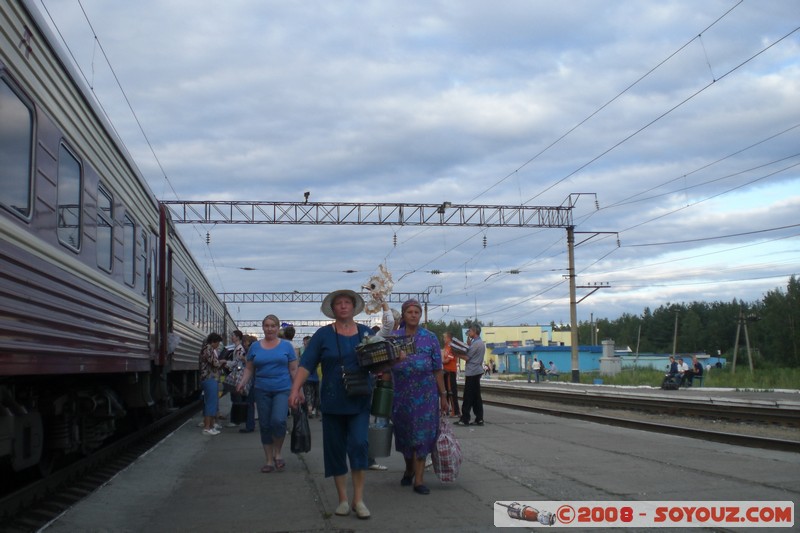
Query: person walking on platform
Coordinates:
[450,366]
[210,366]
[345,419]
[473,370]
[419,397]
[250,399]
[238,412]
[273,362]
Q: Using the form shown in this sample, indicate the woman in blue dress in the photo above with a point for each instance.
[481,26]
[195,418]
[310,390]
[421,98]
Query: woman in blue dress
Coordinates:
[419,397]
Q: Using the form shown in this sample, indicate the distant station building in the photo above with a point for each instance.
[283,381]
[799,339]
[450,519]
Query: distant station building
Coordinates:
[512,349]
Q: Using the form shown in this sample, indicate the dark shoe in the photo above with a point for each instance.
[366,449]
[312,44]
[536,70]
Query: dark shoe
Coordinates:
[479,422]
[407,480]
[460,422]
[422,489]
[246,431]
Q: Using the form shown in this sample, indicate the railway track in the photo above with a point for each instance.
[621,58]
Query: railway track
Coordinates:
[583,403]
[31,507]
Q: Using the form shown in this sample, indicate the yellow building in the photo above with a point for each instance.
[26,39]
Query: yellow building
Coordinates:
[519,336]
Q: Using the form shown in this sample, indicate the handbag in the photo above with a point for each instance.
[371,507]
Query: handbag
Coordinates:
[301,432]
[356,383]
[232,380]
[446,455]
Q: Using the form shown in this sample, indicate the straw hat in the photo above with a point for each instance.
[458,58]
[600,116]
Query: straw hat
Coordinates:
[327,303]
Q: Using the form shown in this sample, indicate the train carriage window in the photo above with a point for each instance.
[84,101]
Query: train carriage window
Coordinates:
[105,229]
[69,199]
[129,251]
[16,148]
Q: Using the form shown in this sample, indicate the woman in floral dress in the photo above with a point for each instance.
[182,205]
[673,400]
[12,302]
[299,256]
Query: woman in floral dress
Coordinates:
[419,397]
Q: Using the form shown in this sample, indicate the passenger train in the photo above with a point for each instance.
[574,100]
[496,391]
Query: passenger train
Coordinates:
[103,310]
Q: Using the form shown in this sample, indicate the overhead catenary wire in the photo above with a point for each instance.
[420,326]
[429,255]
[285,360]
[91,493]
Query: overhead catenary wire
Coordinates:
[662,115]
[448,248]
[599,109]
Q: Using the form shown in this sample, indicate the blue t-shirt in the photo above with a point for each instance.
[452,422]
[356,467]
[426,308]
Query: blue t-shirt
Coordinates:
[324,349]
[272,366]
[312,377]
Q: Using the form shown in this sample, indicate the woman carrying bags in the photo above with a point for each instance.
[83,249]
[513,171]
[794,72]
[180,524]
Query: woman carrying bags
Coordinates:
[345,418]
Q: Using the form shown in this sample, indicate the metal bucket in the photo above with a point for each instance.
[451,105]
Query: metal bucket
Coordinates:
[380,440]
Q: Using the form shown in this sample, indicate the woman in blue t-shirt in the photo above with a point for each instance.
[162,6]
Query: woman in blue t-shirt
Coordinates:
[273,362]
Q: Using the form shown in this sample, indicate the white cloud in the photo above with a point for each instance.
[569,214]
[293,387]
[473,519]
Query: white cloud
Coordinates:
[423,102]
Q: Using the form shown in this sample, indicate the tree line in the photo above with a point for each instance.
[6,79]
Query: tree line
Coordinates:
[773,328]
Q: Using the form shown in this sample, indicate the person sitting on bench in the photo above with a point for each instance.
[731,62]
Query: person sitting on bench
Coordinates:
[552,371]
[695,372]
[673,374]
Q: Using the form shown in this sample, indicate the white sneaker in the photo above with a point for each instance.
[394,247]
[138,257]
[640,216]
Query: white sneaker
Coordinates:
[376,466]
[361,510]
[231,425]
[217,427]
[212,431]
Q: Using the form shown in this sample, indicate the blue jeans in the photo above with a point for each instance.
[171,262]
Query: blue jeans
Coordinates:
[273,409]
[210,397]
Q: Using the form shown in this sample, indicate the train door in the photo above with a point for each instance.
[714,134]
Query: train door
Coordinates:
[151,287]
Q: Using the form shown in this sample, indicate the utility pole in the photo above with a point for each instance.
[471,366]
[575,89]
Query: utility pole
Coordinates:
[742,322]
[573,306]
[675,335]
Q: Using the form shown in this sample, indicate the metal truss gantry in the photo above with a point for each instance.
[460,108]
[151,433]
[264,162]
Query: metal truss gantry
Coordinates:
[317,213]
[397,214]
[300,323]
[306,297]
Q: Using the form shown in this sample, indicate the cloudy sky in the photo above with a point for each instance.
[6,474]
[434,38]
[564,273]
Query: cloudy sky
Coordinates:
[673,127]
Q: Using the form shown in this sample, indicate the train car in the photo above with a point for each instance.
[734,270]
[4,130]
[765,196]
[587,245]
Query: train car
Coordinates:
[102,307]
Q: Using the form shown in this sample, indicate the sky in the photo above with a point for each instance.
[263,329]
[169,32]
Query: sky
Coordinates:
[671,127]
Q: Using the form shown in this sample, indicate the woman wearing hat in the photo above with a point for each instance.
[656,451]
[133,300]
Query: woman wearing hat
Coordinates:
[345,420]
[419,397]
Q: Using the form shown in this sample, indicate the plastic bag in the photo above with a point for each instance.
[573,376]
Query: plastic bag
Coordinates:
[446,455]
[301,432]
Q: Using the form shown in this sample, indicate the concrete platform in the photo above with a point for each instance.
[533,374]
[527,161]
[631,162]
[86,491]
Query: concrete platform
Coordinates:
[196,483]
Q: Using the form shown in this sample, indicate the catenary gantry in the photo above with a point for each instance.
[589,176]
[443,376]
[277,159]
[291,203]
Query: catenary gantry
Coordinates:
[399,214]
